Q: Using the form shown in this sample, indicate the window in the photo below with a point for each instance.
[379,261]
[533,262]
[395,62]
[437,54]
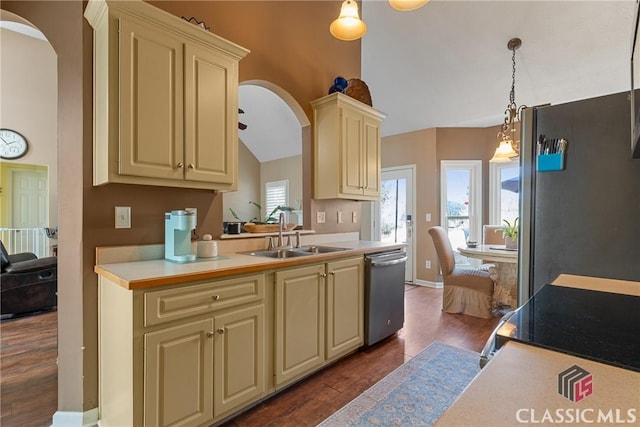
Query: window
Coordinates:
[504,183]
[277,194]
[461,203]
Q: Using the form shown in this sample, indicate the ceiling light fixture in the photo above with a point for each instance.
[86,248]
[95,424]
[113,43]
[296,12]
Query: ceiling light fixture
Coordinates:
[348,26]
[407,5]
[509,147]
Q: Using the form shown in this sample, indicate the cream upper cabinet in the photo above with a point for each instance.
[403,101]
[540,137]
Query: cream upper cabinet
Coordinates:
[346,149]
[165,99]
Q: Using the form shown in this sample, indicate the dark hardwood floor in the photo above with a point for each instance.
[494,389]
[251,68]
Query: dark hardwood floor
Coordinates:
[28,370]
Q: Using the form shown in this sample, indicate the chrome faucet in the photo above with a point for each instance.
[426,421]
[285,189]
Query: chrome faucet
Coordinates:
[280,229]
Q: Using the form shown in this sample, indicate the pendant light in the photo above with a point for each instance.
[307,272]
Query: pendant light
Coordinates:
[348,26]
[508,147]
[407,5]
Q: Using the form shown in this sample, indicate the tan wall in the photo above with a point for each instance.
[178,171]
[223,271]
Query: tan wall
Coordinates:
[425,149]
[289,168]
[297,54]
[248,187]
[29,105]
[418,148]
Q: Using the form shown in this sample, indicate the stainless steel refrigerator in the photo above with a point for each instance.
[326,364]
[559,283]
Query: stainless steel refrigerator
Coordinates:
[585,218]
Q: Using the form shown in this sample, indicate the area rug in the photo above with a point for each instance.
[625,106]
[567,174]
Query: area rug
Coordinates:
[415,394]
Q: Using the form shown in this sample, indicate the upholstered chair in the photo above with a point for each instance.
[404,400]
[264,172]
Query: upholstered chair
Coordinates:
[491,235]
[27,283]
[465,291]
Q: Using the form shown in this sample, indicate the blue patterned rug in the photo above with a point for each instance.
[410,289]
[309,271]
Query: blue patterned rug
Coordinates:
[416,393]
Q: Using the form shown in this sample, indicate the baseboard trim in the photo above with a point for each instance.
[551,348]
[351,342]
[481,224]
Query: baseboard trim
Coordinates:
[428,284]
[75,419]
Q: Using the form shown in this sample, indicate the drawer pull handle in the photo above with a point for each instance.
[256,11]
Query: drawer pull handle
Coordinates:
[215,297]
[221,331]
[209,334]
[191,166]
[179,165]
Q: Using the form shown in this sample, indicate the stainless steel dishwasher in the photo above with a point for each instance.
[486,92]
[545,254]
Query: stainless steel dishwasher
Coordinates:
[384,294]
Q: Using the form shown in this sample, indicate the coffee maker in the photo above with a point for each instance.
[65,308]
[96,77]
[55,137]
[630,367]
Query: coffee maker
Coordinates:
[177,235]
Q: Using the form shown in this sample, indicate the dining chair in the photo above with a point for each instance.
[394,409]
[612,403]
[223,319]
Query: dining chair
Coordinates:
[464,291]
[491,235]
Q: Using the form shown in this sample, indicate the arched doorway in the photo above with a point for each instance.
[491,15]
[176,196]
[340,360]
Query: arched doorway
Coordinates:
[29,212]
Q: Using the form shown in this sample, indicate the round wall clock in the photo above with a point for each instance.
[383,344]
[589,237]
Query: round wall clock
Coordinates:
[12,144]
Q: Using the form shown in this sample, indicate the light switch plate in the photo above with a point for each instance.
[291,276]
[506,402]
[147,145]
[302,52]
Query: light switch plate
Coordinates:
[339,217]
[320,217]
[123,217]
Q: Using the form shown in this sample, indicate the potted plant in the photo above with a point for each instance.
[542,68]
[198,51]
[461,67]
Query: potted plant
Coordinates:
[510,234]
[255,225]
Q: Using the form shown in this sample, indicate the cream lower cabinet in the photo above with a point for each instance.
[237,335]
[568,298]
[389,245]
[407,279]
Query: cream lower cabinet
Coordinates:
[346,149]
[299,306]
[165,99]
[319,316]
[345,306]
[184,356]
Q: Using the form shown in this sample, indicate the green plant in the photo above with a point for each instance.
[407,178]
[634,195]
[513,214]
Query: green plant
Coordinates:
[270,218]
[510,231]
[234,214]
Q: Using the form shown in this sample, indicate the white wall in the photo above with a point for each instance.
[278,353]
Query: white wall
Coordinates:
[29,100]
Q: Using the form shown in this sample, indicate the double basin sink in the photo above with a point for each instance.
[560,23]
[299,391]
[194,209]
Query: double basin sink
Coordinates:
[294,252]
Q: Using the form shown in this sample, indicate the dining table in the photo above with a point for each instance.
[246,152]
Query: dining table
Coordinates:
[504,270]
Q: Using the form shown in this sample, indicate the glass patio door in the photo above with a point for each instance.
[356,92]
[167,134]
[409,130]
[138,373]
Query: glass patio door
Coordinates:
[394,212]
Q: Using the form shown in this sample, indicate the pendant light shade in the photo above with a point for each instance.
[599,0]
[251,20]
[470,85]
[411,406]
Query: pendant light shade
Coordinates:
[406,5]
[504,152]
[508,145]
[348,26]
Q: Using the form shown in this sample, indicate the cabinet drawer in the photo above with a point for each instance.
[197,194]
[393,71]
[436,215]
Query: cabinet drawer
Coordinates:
[171,304]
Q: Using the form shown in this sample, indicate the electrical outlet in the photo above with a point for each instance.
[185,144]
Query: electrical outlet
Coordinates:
[354,217]
[123,217]
[427,217]
[339,217]
[427,264]
[320,217]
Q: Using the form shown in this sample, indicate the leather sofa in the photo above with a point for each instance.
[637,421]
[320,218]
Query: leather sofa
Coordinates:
[27,284]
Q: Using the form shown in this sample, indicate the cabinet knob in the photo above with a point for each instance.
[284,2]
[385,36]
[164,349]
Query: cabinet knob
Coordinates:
[191,166]
[220,331]
[333,273]
[209,334]
[323,275]
[180,165]
[215,297]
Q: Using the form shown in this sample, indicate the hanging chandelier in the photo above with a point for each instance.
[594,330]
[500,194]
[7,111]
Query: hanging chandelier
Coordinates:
[508,147]
[348,26]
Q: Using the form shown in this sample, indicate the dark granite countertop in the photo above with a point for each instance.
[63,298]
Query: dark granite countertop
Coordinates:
[599,326]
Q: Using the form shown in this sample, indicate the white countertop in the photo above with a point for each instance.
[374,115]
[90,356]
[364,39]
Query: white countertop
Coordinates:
[159,272]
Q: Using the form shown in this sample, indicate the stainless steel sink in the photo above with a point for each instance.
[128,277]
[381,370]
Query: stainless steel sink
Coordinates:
[278,253]
[294,252]
[318,249]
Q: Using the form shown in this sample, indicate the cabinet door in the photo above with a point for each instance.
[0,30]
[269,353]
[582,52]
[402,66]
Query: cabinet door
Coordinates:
[371,158]
[299,327]
[211,116]
[351,126]
[178,377]
[151,102]
[239,358]
[345,306]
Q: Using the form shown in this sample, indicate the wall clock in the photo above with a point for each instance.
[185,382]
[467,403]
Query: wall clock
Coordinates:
[12,144]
